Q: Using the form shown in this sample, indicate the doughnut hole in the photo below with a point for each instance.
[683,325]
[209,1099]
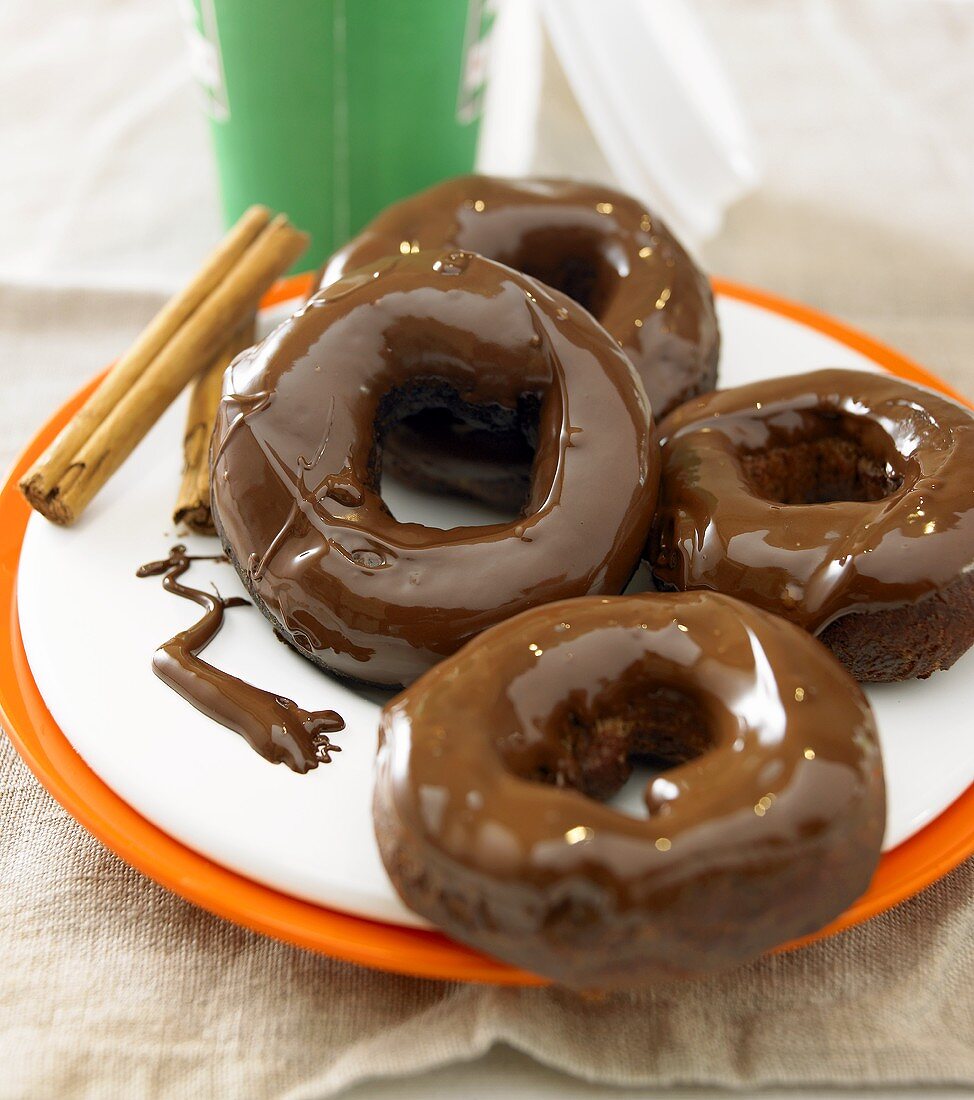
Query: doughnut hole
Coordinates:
[835,457]
[595,746]
[573,261]
[429,437]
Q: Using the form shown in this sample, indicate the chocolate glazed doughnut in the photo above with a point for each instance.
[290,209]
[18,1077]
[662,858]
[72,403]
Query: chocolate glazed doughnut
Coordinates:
[297,462]
[765,823]
[839,499]
[598,246]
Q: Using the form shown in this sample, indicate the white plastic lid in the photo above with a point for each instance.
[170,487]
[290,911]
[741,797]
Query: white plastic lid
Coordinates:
[651,91]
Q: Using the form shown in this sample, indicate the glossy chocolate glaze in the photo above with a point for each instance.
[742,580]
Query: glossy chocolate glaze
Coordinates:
[766,826]
[297,462]
[276,727]
[595,244]
[815,562]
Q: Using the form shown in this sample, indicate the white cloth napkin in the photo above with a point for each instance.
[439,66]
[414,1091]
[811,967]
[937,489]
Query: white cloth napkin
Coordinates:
[648,89]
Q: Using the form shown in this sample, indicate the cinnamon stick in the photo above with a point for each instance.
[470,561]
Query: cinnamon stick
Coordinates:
[193,502]
[138,390]
[51,466]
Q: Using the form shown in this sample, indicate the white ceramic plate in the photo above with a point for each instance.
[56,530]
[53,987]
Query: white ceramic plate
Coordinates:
[90,628]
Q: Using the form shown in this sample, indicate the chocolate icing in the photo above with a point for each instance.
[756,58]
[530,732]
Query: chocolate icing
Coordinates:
[297,456]
[276,727]
[767,823]
[896,529]
[599,246]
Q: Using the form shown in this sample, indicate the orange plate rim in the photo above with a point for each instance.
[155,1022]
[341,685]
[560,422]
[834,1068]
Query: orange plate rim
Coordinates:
[925,857]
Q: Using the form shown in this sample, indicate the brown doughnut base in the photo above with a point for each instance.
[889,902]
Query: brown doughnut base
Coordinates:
[909,642]
[705,383]
[435,441]
[900,643]
[455,903]
[663,727]
[496,468]
[818,471]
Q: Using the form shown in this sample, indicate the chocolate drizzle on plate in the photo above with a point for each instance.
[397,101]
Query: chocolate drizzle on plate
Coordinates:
[274,726]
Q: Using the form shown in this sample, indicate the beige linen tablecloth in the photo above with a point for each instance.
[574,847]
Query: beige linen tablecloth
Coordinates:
[111,986]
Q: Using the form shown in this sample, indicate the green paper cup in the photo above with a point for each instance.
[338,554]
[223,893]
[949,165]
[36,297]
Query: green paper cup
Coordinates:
[329,110]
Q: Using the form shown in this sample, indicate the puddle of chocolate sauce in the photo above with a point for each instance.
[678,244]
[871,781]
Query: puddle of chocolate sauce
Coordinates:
[276,727]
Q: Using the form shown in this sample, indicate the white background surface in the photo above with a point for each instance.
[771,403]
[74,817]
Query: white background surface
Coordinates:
[864,115]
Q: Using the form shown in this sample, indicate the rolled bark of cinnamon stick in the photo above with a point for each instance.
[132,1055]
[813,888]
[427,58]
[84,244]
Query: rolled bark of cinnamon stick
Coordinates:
[43,477]
[184,338]
[193,501]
